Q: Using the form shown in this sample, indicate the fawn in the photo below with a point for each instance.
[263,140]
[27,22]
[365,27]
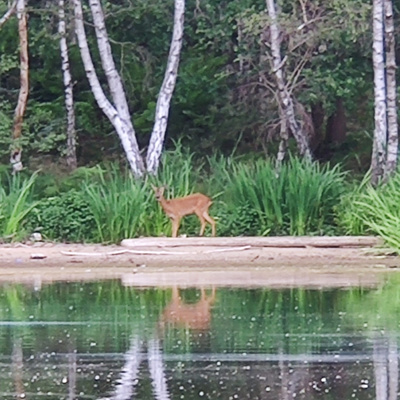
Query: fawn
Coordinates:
[195,316]
[177,208]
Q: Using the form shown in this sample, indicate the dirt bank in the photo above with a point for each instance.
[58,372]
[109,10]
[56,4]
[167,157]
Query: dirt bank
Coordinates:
[199,262]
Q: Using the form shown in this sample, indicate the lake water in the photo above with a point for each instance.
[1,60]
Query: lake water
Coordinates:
[106,341]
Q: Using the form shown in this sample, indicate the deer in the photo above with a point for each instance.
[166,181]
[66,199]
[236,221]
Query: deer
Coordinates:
[196,203]
[195,316]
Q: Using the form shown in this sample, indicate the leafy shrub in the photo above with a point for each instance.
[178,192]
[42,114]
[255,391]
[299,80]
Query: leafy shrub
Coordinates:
[243,221]
[54,180]
[67,217]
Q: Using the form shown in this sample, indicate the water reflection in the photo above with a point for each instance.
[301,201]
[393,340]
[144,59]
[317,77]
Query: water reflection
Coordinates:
[105,341]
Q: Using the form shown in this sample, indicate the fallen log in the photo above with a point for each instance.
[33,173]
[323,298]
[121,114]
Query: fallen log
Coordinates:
[151,252]
[275,241]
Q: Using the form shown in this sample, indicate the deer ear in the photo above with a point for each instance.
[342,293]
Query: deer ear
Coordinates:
[153,187]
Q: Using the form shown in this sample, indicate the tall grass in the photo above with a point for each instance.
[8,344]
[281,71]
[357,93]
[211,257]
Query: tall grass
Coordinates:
[125,208]
[250,198]
[179,172]
[15,205]
[118,203]
[375,211]
[298,199]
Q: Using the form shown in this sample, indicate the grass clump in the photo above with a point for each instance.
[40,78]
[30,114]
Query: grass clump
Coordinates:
[298,199]
[118,204]
[369,210]
[15,205]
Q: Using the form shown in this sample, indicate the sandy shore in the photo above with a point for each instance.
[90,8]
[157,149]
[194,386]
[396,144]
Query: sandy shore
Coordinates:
[184,262]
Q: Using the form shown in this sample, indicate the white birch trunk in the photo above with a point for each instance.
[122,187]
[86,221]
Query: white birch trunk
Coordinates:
[122,126]
[68,90]
[114,80]
[392,144]
[284,95]
[167,88]
[283,144]
[380,131]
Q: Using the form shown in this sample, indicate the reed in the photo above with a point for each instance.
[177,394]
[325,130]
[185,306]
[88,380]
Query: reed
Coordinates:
[375,211]
[15,205]
[298,199]
[118,203]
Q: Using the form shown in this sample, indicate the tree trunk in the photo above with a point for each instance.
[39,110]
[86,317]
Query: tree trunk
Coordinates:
[167,88]
[114,80]
[392,145]
[68,90]
[283,144]
[284,95]
[19,113]
[379,144]
[123,126]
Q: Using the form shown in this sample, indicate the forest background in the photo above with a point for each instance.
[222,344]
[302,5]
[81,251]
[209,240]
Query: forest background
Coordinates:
[223,129]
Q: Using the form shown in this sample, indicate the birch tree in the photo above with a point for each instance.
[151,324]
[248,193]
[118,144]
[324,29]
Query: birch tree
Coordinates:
[118,112]
[166,91]
[16,149]
[379,144]
[68,90]
[392,145]
[286,102]
[122,125]
[385,143]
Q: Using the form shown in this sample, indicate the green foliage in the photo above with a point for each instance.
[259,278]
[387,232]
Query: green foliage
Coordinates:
[118,203]
[54,180]
[223,98]
[5,129]
[249,198]
[15,206]
[298,199]
[347,215]
[370,210]
[190,171]
[46,127]
[67,217]
[242,221]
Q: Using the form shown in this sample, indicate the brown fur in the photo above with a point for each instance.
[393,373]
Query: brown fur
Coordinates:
[177,208]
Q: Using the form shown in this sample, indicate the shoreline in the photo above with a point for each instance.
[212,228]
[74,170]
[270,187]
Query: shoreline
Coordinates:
[149,262]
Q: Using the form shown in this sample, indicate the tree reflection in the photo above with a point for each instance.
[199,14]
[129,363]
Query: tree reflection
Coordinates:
[385,356]
[177,314]
[18,367]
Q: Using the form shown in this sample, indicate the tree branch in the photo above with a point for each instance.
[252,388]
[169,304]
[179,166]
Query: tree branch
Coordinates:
[8,14]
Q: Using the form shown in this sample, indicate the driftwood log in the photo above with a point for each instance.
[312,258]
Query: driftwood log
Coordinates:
[151,252]
[276,241]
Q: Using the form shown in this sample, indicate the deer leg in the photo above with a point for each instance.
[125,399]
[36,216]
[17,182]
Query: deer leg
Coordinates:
[210,221]
[175,226]
[175,295]
[202,222]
